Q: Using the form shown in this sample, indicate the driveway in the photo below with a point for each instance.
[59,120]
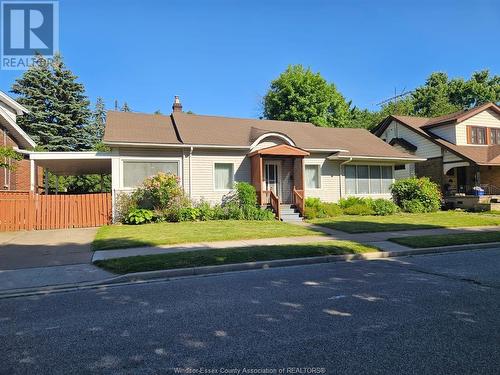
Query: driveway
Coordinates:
[27,249]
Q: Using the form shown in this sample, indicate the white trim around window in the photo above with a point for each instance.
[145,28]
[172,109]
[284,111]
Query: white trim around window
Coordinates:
[231,175]
[318,169]
[178,160]
[376,183]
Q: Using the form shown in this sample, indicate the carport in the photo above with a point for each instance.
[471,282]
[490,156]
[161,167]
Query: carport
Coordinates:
[37,209]
[67,164]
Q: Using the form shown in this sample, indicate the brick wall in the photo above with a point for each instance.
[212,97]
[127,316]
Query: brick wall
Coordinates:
[19,178]
[490,175]
[432,168]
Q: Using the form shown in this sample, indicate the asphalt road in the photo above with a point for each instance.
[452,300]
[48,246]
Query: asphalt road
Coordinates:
[422,315]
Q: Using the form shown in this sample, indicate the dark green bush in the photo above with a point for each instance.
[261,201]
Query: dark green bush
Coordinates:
[314,208]
[413,206]
[359,209]
[351,201]
[406,192]
[246,194]
[383,207]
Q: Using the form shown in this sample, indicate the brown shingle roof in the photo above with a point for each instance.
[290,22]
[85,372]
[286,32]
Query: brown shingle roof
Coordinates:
[139,128]
[189,129]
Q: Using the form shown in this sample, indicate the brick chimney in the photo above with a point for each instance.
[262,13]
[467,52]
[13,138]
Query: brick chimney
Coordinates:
[177,106]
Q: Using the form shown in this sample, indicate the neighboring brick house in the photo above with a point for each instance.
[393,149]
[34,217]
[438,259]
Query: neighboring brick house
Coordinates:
[462,148]
[11,135]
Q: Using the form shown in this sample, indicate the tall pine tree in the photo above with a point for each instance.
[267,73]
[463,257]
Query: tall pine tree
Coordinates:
[125,107]
[95,129]
[59,108]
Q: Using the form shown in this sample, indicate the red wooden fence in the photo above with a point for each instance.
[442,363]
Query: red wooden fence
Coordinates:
[29,211]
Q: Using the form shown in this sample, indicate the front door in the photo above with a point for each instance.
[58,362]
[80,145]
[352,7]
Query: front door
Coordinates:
[272,177]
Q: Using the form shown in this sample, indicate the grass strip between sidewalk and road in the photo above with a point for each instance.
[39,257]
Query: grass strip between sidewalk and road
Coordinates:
[405,221]
[447,239]
[230,256]
[125,236]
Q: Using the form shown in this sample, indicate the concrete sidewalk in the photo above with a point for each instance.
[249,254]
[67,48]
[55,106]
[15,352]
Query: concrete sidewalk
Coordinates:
[379,239]
[50,276]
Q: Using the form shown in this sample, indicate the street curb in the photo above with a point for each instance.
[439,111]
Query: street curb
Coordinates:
[206,270]
[139,277]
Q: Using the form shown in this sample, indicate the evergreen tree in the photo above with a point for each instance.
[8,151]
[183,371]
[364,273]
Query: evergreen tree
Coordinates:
[95,129]
[125,107]
[57,104]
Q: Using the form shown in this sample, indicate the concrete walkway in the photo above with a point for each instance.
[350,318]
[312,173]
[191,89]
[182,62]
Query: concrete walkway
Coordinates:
[379,239]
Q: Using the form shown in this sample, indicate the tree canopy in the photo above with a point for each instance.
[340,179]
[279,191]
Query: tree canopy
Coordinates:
[299,94]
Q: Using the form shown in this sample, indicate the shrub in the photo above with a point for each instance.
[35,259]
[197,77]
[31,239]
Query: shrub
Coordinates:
[188,214]
[246,194]
[423,190]
[205,211]
[139,216]
[233,211]
[383,207]
[351,201]
[314,208]
[159,191]
[413,206]
[359,209]
[124,204]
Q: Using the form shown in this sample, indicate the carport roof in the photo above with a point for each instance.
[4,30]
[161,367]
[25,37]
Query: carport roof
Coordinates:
[73,163]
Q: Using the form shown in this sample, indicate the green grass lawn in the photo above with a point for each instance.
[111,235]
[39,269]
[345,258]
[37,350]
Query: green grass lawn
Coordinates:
[123,236]
[447,239]
[233,255]
[442,219]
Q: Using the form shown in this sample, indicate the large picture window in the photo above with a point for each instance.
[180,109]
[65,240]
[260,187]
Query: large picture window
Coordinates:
[136,171]
[223,176]
[364,179]
[312,176]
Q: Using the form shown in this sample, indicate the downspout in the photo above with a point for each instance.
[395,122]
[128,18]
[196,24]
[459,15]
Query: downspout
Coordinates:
[341,168]
[190,173]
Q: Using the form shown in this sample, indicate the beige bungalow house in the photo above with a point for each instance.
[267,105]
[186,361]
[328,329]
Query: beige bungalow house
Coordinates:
[285,161]
[462,151]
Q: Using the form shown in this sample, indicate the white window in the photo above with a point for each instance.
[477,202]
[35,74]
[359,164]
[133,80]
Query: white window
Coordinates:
[350,179]
[375,183]
[386,179]
[223,176]
[364,179]
[312,176]
[135,171]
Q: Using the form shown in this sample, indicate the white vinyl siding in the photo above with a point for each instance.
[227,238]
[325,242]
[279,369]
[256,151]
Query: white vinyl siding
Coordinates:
[223,176]
[447,132]
[487,118]
[425,148]
[202,165]
[329,171]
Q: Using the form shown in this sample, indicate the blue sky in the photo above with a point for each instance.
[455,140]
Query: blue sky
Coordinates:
[220,55]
